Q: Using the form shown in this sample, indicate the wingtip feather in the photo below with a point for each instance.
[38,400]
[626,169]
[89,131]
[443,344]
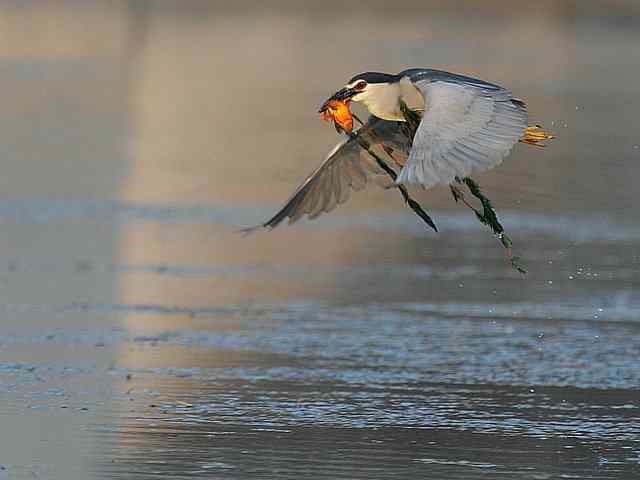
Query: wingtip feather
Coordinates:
[246,231]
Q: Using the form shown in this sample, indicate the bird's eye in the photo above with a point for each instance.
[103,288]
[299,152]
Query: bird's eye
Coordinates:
[361,85]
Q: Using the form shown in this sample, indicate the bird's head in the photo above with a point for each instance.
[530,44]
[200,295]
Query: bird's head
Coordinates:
[370,88]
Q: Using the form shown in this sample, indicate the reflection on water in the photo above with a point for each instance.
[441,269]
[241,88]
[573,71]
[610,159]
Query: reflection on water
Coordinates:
[142,338]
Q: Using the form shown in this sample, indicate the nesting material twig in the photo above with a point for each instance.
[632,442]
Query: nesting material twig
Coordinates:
[488,215]
[415,206]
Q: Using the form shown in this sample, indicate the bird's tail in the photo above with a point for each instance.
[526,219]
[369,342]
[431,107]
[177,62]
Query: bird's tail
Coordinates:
[534,135]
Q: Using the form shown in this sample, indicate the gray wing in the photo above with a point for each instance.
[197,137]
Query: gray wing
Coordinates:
[468,126]
[346,168]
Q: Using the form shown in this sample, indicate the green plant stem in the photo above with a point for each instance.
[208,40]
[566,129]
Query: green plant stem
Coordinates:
[488,215]
[415,206]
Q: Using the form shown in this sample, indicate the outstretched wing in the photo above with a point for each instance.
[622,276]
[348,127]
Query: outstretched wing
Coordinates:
[468,126]
[346,168]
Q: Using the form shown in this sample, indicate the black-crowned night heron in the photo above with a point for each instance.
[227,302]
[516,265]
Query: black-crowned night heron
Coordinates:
[468,126]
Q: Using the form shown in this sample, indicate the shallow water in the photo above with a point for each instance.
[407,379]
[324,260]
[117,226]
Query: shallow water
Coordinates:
[141,337]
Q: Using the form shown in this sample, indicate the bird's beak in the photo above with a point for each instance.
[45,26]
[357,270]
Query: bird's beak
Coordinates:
[341,95]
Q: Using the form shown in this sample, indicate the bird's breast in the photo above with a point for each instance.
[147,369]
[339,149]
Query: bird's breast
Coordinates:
[384,102]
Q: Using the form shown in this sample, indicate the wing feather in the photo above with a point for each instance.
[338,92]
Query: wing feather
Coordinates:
[347,168]
[468,126]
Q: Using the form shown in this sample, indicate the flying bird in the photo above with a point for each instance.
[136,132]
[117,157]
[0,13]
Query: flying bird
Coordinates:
[468,126]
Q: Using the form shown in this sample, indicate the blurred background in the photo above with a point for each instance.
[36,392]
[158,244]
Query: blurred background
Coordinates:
[141,337]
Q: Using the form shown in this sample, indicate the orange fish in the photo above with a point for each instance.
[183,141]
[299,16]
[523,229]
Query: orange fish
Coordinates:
[339,112]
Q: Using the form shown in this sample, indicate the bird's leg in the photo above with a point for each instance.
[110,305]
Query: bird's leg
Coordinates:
[487,216]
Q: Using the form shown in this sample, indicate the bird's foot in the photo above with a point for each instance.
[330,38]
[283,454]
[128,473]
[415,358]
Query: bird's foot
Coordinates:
[535,136]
